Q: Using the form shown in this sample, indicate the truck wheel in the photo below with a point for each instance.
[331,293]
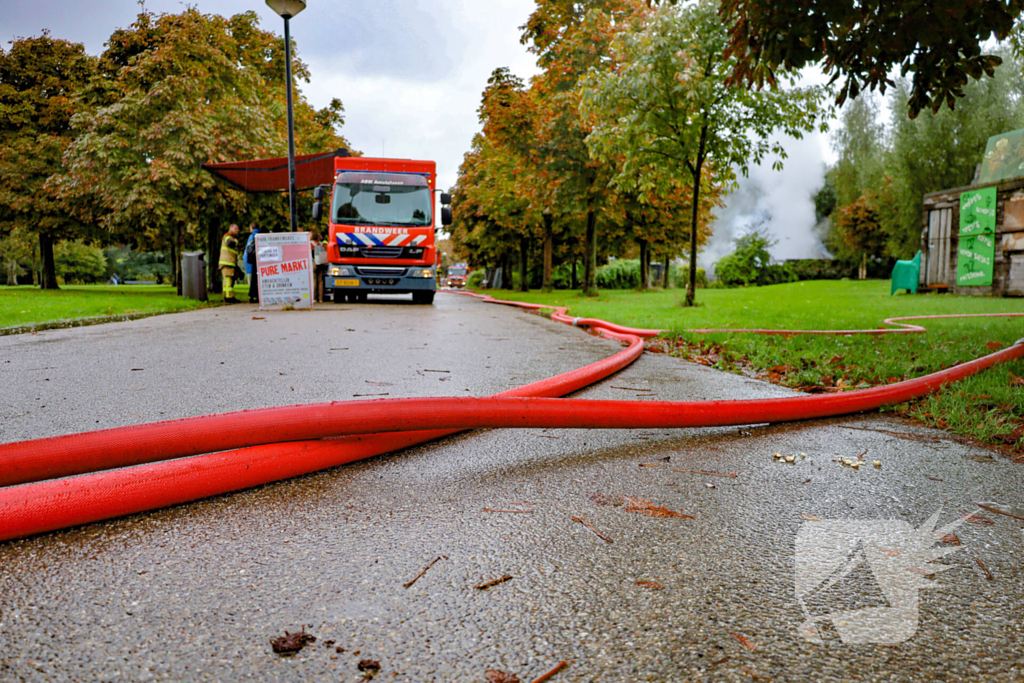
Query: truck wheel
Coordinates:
[423,297]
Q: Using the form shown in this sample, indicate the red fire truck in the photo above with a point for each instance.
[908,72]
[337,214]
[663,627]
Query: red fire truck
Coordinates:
[381,228]
[381,217]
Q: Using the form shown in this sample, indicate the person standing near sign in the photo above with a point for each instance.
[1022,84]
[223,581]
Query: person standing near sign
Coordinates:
[228,263]
[319,254]
[249,259]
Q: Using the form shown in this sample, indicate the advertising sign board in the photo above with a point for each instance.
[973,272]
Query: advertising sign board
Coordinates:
[286,274]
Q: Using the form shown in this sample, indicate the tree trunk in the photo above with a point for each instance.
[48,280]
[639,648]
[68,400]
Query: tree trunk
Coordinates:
[575,281]
[549,244]
[862,271]
[524,263]
[212,259]
[645,278]
[48,276]
[666,276]
[36,267]
[176,260]
[506,271]
[590,254]
[691,285]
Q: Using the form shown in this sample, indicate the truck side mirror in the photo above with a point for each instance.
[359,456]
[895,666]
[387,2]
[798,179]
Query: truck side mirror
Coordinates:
[446,198]
[317,210]
[446,215]
[318,191]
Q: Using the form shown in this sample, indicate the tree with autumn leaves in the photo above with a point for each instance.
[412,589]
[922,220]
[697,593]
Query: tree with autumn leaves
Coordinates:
[635,121]
[175,91]
[666,108]
[117,147]
[541,129]
[39,81]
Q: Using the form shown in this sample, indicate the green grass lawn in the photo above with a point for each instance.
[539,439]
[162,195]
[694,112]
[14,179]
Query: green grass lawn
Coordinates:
[27,305]
[988,407]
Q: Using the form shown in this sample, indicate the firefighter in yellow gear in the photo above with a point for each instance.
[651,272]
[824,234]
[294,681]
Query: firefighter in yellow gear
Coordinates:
[228,263]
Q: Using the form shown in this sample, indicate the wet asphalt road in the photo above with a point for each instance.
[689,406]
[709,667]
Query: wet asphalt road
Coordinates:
[197,592]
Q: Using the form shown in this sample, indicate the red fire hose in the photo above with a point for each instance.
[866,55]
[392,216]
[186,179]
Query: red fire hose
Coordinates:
[177,461]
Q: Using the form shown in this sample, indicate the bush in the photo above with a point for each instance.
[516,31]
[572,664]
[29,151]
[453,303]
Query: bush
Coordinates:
[619,274]
[681,277]
[561,276]
[78,262]
[751,264]
[819,269]
[138,265]
[838,269]
[476,278]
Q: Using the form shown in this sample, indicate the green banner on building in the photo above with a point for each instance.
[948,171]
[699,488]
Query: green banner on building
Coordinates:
[978,212]
[974,260]
[977,238]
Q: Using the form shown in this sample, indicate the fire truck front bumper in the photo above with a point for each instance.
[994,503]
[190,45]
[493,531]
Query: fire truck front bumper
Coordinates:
[379,279]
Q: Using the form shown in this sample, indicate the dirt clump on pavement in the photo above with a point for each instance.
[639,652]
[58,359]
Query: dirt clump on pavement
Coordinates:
[292,643]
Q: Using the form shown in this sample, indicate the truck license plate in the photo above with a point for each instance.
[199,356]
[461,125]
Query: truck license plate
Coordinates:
[346,283]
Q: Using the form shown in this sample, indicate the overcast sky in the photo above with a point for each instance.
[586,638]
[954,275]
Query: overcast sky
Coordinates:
[410,73]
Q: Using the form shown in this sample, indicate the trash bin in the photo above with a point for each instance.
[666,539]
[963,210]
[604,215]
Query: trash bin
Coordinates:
[193,275]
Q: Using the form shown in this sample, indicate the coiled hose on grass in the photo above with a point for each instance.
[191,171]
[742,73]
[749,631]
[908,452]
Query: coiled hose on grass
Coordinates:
[65,481]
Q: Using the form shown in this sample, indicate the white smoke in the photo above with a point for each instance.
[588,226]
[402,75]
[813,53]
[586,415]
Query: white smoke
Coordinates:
[780,203]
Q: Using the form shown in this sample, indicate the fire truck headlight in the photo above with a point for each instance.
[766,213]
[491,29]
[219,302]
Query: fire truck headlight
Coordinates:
[426,272]
[340,270]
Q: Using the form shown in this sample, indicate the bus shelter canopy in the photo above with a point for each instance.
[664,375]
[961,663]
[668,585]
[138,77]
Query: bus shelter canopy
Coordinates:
[271,175]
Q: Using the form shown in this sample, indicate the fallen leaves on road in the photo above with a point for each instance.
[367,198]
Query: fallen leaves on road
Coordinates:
[950,539]
[996,510]
[731,475]
[602,499]
[650,584]
[494,676]
[495,582]
[424,571]
[369,667]
[988,574]
[291,643]
[646,507]
[743,640]
[589,526]
[974,518]
[558,667]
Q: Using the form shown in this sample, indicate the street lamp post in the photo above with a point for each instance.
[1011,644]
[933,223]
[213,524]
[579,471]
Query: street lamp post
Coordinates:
[288,9]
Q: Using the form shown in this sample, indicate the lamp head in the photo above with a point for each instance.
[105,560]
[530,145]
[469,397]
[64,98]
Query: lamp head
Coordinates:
[287,8]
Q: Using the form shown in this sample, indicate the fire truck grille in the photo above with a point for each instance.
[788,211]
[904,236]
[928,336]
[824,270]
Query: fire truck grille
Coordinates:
[380,252]
[387,271]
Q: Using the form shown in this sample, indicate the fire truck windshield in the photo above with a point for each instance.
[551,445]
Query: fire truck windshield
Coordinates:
[382,199]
